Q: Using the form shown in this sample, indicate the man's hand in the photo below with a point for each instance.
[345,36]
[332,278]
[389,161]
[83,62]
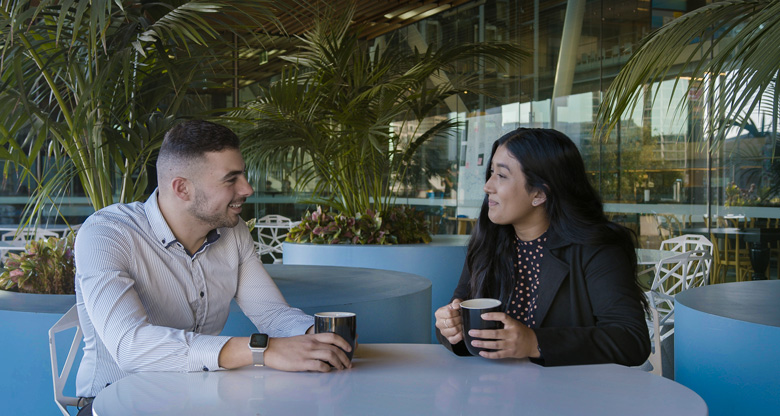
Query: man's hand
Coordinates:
[310,352]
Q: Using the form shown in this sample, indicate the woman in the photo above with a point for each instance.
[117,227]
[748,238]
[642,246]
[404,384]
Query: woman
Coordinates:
[542,245]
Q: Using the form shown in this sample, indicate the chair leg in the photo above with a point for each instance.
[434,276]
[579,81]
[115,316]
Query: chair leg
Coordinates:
[655,356]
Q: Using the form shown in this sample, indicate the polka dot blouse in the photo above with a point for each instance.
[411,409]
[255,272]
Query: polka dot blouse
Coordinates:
[527,268]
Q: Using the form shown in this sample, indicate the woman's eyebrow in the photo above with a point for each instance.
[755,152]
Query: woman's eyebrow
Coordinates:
[502,165]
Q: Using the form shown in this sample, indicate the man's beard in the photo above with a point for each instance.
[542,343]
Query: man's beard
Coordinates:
[214,220]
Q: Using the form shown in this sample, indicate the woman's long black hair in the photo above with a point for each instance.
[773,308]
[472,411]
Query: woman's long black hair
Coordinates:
[551,163]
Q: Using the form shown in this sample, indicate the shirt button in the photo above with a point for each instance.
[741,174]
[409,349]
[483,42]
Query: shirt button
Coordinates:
[202,294]
[205,368]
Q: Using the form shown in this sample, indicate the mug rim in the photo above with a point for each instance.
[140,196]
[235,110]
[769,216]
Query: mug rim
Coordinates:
[334,314]
[485,303]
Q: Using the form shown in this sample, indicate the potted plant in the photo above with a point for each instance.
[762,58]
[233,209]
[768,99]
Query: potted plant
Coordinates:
[402,226]
[346,119]
[46,267]
[87,91]
[39,289]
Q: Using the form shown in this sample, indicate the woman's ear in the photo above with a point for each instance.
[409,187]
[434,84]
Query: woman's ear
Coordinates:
[539,198]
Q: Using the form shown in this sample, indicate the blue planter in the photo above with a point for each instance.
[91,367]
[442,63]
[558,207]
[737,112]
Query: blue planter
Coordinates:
[387,303]
[25,377]
[726,340]
[441,261]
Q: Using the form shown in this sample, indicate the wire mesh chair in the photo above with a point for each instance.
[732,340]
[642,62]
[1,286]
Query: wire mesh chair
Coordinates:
[672,275]
[59,378]
[691,242]
[271,232]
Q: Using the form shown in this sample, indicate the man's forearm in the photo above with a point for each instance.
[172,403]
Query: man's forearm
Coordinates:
[235,353]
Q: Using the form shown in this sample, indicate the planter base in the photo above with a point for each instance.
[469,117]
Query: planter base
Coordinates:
[441,262]
[26,386]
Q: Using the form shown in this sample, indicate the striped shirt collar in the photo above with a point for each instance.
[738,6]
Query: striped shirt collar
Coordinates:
[162,231]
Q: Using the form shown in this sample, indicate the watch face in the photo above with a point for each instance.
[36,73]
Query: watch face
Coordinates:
[258,341]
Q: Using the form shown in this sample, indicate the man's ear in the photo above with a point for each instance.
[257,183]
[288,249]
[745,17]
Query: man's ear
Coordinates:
[182,188]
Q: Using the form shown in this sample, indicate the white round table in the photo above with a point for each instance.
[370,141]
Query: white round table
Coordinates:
[404,379]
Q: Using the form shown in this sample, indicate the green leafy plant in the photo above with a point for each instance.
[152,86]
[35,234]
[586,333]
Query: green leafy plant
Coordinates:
[92,86]
[406,226]
[346,118]
[45,267]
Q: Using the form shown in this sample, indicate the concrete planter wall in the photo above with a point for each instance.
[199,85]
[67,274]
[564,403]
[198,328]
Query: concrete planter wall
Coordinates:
[441,261]
[25,376]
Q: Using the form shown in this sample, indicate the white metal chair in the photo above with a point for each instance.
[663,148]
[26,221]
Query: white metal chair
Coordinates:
[688,242]
[271,232]
[691,242]
[655,339]
[9,246]
[68,321]
[672,275]
[73,228]
[28,234]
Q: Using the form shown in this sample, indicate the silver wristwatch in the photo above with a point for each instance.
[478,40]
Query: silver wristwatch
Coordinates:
[258,343]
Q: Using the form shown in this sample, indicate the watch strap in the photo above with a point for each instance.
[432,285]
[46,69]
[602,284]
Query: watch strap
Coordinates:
[258,357]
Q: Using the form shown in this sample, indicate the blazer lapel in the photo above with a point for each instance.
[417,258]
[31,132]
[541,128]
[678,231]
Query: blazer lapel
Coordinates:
[550,278]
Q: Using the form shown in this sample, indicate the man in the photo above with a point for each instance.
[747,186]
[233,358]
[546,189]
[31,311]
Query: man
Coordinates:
[154,280]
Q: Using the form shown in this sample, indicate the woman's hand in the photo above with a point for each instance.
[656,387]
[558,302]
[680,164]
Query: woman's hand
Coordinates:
[449,323]
[515,340]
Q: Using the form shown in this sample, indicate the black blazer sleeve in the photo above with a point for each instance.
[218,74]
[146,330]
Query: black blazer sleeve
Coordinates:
[595,315]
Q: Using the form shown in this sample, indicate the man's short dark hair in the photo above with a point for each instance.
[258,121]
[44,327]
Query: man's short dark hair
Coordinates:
[193,138]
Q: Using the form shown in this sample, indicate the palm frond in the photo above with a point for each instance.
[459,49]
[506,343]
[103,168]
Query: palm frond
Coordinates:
[98,83]
[729,48]
[338,115]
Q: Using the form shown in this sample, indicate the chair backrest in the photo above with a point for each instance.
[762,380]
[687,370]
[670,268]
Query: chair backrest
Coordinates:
[11,236]
[59,378]
[693,242]
[271,232]
[27,234]
[73,228]
[672,275]
[687,242]
[682,271]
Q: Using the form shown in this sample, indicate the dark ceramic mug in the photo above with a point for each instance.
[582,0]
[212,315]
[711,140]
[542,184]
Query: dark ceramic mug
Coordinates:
[471,313]
[341,323]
